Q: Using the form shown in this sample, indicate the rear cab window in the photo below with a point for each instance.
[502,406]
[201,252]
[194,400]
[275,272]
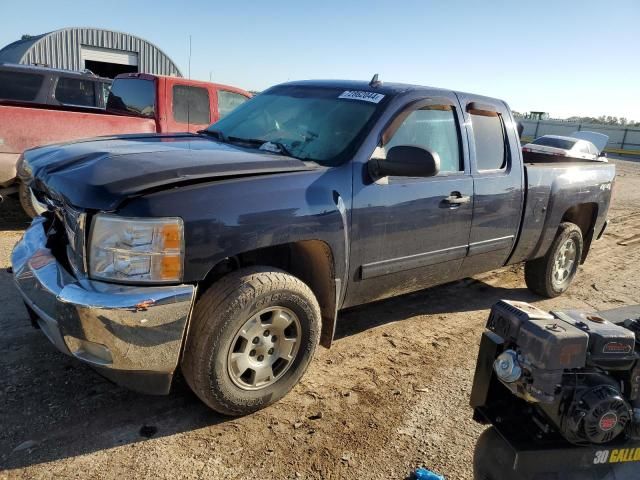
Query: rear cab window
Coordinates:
[133,96]
[191,105]
[20,86]
[490,137]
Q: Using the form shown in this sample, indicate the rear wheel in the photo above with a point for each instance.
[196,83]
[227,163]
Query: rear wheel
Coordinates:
[252,336]
[552,274]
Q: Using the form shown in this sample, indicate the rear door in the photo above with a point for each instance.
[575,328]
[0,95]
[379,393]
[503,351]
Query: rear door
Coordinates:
[191,107]
[407,232]
[497,183]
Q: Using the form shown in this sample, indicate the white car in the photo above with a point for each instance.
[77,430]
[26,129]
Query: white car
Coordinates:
[579,145]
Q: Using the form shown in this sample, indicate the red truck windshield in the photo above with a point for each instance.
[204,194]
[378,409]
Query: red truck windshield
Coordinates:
[318,124]
[133,96]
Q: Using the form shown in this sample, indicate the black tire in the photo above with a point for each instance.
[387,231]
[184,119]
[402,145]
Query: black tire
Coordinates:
[25,200]
[539,273]
[217,318]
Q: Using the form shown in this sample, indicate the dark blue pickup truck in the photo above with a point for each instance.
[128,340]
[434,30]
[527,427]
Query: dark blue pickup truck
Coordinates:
[230,252]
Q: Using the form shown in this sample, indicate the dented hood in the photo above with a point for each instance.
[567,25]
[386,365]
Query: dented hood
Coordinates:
[100,173]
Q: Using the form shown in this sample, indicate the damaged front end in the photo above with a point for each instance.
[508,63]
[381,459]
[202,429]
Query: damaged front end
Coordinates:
[131,334]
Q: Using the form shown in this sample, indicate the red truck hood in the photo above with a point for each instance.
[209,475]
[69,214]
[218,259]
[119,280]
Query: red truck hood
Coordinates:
[100,173]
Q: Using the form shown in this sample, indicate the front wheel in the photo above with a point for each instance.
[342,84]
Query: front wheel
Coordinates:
[251,338]
[552,274]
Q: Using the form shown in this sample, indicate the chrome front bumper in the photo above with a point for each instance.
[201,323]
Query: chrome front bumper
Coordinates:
[131,334]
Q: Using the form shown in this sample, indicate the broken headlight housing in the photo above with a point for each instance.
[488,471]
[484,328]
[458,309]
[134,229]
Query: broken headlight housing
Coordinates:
[133,250]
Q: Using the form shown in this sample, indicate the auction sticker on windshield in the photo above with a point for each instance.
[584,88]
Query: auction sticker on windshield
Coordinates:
[362,95]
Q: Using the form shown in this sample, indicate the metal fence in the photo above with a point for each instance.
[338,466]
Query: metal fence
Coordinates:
[621,140]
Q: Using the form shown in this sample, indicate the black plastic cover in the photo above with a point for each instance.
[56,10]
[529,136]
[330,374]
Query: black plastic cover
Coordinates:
[553,344]
[507,316]
[610,345]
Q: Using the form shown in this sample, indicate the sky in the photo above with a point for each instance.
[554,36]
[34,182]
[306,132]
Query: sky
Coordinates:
[565,57]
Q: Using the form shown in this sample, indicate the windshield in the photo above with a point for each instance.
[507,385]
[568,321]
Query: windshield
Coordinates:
[308,123]
[555,142]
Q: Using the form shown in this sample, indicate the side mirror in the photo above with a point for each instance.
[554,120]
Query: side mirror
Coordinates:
[406,161]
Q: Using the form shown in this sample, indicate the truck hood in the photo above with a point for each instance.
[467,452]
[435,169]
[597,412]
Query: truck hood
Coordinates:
[100,173]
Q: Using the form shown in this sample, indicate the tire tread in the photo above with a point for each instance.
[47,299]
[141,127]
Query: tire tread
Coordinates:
[213,313]
[537,272]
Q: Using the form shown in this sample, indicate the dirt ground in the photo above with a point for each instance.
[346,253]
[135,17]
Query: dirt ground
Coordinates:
[390,395]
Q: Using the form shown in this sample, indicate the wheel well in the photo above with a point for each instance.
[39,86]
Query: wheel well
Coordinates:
[309,260]
[584,215]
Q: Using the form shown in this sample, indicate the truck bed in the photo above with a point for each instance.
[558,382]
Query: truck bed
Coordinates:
[24,127]
[552,189]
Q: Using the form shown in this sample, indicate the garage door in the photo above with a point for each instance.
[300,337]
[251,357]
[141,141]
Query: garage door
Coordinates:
[120,57]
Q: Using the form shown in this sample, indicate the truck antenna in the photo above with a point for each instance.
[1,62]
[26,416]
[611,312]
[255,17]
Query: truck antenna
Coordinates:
[189,68]
[375,83]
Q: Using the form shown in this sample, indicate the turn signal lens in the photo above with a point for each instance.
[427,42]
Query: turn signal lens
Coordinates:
[171,267]
[172,236]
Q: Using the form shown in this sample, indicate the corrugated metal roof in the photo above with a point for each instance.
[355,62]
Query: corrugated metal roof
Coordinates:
[62,49]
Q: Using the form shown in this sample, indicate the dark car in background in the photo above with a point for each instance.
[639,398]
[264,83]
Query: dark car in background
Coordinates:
[52,87]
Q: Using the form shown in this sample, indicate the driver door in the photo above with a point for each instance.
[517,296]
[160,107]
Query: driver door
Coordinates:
[409,233]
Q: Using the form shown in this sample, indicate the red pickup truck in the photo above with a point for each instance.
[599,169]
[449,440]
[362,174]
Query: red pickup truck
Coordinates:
[137,103]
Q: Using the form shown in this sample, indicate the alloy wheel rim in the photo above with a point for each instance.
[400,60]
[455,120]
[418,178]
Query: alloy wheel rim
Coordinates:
[264,348]
[564,262]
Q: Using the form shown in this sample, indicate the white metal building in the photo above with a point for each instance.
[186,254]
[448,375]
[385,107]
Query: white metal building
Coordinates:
[104,52]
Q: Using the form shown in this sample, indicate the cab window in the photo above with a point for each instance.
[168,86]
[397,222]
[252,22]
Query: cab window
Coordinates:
[191,105]
[490,141]
[76,92]
[227,101]
[433,128]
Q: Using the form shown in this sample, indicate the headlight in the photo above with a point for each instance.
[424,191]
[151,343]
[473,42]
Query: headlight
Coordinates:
[136,249]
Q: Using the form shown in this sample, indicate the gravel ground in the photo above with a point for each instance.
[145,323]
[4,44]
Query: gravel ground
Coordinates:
[390,395]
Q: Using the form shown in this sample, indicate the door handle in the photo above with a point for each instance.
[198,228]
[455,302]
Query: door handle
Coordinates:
[457,199]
